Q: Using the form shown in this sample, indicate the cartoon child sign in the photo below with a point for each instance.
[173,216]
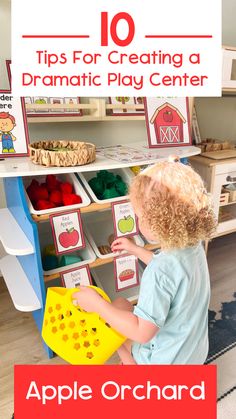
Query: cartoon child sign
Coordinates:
[14,136]
[7,123]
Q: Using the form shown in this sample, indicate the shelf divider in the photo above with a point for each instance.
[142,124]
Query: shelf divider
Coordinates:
[19,287]
[99,262]
[12,237]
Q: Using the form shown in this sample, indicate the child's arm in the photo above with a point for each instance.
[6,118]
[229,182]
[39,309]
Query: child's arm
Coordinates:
[125,322]
[13,137]
[126,244]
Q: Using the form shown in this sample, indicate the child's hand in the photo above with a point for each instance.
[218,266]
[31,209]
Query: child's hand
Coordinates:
[124,244]
[87,298]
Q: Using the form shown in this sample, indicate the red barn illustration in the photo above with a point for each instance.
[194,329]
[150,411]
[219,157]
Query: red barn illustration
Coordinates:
[168,123]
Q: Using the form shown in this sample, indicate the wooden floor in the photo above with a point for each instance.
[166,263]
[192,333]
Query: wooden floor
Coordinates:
[20,342]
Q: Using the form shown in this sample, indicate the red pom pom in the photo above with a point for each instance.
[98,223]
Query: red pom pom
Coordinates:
[43,204]
[52,183]
[31,190]
[34,183]
[66,187]
[56,197]
[71,199]
[51,180]
[41,193]
[77,199]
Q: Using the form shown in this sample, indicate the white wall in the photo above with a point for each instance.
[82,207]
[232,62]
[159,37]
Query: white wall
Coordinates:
[216,115]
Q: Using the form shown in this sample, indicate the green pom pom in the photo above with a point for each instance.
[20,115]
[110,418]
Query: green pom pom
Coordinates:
[50,262]
[97,185]
[107,177]
[102,174]
[110,193]
[69,260]
[121,188]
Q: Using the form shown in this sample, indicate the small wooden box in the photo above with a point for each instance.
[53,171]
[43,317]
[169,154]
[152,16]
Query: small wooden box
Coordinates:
[232,194]
[224,198]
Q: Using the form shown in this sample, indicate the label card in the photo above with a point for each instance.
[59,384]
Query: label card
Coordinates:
[73,278]
[14,136]
[124,219]
[126,272]
[67,232]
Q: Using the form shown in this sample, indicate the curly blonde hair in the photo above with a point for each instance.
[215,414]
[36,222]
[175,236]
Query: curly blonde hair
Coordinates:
[173,205]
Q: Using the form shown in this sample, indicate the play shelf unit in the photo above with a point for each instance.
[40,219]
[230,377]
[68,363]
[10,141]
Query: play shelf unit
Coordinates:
[22,267]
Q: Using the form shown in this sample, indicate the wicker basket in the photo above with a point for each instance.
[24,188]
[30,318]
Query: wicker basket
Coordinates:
[62,153]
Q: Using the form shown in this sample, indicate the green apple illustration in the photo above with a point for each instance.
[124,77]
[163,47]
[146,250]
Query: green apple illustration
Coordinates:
[126,224]
[40,101]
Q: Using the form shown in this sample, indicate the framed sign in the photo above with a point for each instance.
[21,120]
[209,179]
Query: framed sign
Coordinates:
[124,219]
[14,136]
[67,232]
[73,278]
[229,68]
[8,65]
[167,121]
[126,100]
[126,272]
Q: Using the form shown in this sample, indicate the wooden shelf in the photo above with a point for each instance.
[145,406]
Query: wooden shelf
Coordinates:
[19,287]
[90,208]
[97,262]
[96,111]
[12,237]
[56,119]
[228,203]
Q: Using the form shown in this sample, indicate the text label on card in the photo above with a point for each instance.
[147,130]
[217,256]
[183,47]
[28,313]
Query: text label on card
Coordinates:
[124,218]
[73,278]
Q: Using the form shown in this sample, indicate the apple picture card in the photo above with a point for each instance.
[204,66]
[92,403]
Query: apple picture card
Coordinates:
[14,137]
[124,219]
[126,272]
[73,278]
[67,231]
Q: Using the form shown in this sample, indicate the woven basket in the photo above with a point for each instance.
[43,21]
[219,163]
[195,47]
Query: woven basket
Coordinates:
[62,153]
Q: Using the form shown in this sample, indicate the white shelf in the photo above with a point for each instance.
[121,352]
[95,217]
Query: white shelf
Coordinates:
[20,289]
[12,237]
[23,166]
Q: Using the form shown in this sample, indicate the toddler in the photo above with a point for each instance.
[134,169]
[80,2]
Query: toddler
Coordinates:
[169,324]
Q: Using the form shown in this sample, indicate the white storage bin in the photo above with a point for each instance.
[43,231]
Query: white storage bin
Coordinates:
[104,278]
[98,228]
[126,174]
[87,254]
[66,177]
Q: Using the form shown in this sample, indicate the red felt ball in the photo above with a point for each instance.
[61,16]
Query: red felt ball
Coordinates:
[56,197]
[34,183]
[77,199]
[43,204]
[31,191]
[51,180]
[41,193]
[66,187]
[71,199]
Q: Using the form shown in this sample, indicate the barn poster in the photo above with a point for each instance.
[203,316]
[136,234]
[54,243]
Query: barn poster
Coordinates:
[167,121]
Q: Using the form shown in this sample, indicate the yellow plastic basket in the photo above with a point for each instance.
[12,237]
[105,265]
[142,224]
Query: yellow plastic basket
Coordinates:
[75,335]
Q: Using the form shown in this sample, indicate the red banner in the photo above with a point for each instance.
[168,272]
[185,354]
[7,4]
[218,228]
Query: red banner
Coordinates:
[113,391]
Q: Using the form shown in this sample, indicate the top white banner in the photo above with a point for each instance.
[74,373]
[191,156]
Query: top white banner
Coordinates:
[118,47]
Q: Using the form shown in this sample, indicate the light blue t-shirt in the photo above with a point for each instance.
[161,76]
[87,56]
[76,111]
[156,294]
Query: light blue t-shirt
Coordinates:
[174,295]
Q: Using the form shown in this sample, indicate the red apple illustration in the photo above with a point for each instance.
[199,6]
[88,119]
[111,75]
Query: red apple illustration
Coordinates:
[69,238]
[168,116]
